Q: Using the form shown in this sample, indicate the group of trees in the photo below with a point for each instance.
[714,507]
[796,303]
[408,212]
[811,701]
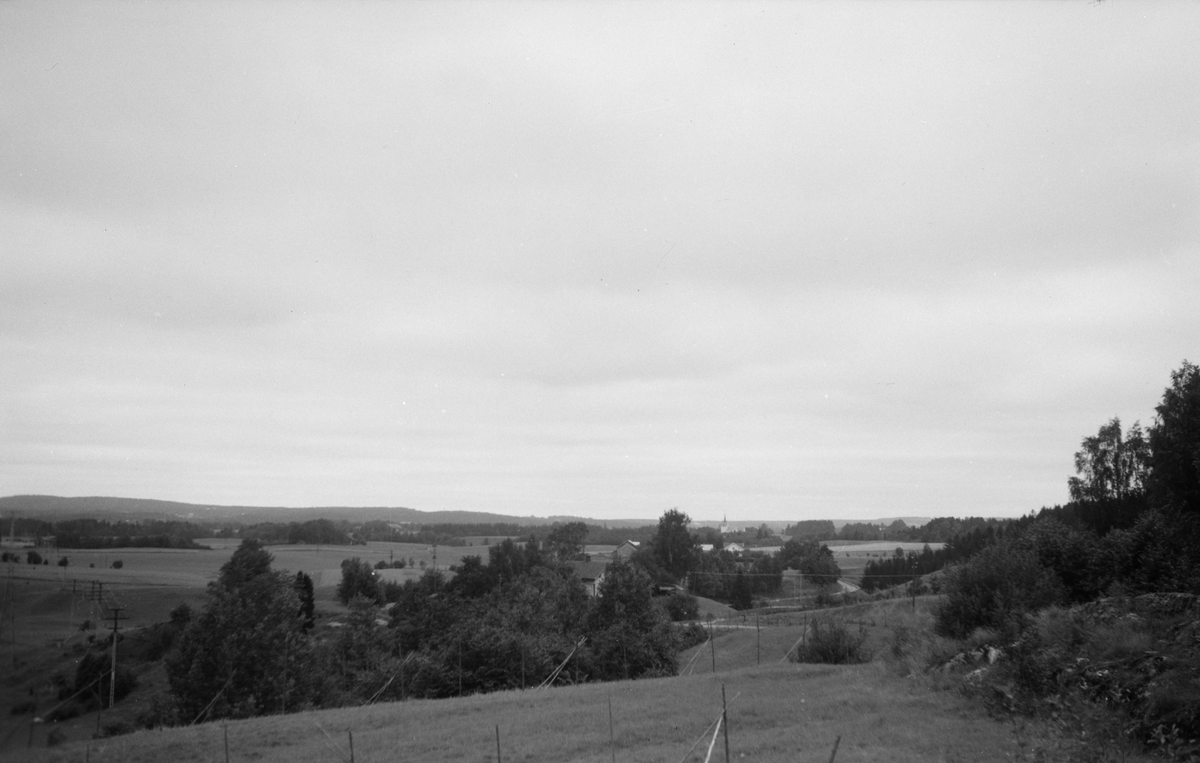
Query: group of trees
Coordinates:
[719,575]
[902,568]
[1133,522]
[506,623]
[938,530]
[324,532]
[814,560]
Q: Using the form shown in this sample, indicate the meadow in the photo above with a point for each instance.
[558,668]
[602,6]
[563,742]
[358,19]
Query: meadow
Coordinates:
[777,711]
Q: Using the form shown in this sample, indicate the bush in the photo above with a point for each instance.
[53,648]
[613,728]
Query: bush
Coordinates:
[118,728]
[95,675]
[691,635]
[995,589]
[181,615]
[63,562]
[163,711]
[64,712]
[830,641]
[33,557]
[391,591]
[681,606]
[118,564]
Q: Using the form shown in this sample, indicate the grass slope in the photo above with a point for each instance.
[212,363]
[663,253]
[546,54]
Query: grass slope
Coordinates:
[782,712]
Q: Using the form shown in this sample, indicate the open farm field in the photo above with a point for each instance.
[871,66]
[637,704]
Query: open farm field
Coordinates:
[777,712]
[877,546]
[195,568]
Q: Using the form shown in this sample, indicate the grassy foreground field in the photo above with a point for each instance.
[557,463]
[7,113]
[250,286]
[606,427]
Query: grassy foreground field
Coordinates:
[889,709]
[777,712]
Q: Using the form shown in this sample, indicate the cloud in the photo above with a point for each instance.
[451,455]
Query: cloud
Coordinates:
[806,260]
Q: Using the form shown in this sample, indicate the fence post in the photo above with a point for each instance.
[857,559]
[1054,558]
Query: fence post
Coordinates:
[612,738]
[225,729]
[498,743]
[725,721]
[351,735]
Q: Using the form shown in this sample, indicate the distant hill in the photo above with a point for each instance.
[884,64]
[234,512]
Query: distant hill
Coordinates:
[53,507]
[910,521]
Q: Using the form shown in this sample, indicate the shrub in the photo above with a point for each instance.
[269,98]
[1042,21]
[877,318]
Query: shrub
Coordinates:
[117,729]
[691,635]
[33,557]
[1119,640]
[391,591]
[163,711]
[118,564]
[995,589]
[830,641]
[64,712]
[95,675]
[181,615]
[63,562]
[681,606]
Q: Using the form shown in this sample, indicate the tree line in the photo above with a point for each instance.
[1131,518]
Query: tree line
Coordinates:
[1132,526]
[509,622]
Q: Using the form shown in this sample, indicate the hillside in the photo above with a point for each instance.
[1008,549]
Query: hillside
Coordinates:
[777,712]
[52,507]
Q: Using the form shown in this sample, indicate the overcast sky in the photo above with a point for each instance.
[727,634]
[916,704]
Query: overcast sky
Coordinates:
[775,261]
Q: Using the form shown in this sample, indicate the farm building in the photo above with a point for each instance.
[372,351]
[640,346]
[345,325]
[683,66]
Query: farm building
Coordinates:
[625,550]
[591,574]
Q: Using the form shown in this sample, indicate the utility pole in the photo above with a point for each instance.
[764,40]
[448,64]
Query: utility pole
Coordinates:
[116,617]
[95,597]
